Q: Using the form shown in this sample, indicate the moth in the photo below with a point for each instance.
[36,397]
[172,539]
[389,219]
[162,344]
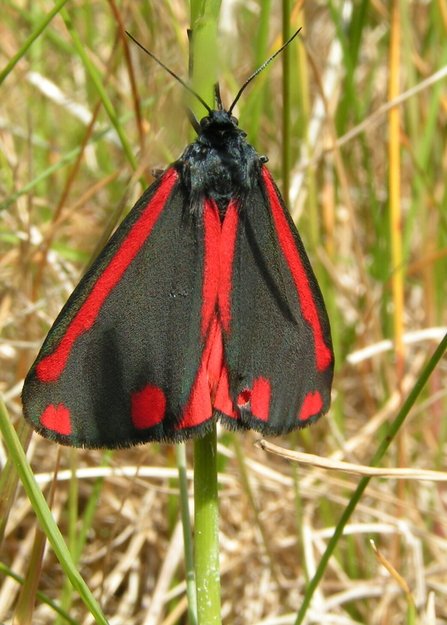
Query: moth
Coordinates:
[202,306]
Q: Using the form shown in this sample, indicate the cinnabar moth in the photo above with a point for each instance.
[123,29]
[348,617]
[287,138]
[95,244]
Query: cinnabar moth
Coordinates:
[203,306]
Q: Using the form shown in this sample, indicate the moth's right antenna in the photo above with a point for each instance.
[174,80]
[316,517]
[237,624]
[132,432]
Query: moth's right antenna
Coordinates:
[263,66]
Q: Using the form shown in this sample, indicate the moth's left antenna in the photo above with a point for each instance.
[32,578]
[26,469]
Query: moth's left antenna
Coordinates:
[182,82]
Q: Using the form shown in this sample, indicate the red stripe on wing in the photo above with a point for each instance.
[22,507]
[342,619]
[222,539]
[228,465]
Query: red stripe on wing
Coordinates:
[199,408]
[222,398]
[50,368]
[290,251]
[211,389]
[211,268]
[227,245]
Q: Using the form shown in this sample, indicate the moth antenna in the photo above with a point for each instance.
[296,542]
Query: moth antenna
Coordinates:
[217,97]
[258,71]
[182,82]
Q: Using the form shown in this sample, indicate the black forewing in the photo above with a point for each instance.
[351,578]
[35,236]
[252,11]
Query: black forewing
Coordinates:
[147,332]
[269,337]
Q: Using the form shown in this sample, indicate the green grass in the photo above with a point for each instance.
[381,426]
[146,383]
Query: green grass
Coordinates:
[360,207]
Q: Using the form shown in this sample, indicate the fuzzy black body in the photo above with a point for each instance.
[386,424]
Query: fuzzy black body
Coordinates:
[220,164]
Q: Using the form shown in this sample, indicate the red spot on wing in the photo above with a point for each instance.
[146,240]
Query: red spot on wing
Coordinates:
[291,253]
[312,405]
[257,399]
[148,407]
[244,398]
[57,419]
[50,368]
[260,398]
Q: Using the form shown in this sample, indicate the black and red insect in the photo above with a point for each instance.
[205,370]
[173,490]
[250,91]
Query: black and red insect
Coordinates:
[203,306]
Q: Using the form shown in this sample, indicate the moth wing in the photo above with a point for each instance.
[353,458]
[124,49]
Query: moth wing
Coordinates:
[277,341]
[120,362]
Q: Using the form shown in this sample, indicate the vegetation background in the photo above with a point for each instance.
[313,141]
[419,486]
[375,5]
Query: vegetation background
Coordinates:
[370,203]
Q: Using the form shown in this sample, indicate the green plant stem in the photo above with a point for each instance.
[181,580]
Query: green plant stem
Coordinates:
[207,529]
[394,429]
[204,49]
[206,507]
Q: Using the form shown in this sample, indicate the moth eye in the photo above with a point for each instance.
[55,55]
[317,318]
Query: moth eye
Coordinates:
[235,121]
[204,121]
